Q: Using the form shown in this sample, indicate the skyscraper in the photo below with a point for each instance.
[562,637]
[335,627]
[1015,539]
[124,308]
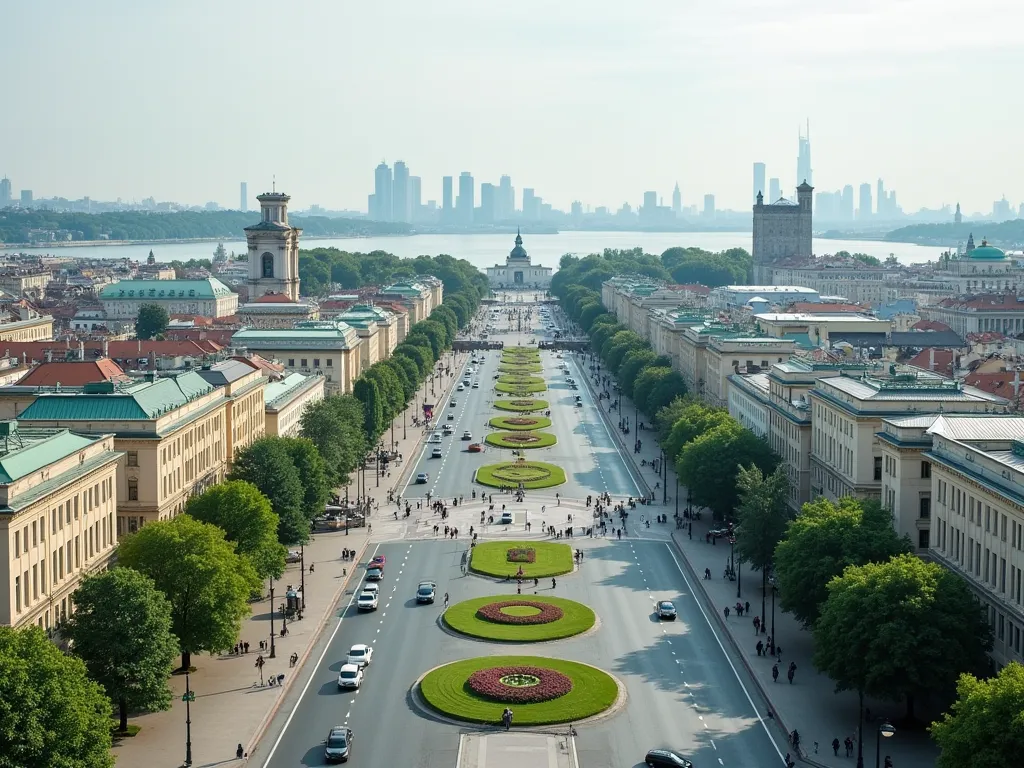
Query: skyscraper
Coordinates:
[709,206]
[758,180]
[446,196]
[488,202]
[506,204]
[244,195]
[530,205]
[803,159]
[26,197]
[847,205]
[415,198]
[864,212]
[677,200]
[382,193]
[880,199]
[5,192]
[774,190]
[467,198]
[400,210]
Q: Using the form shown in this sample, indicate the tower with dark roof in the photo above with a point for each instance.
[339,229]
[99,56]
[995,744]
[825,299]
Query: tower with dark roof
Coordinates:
[273,250]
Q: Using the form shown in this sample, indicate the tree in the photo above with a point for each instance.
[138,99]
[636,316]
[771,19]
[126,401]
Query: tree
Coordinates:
[632,364]
[695,420]
[54,716]
[822,541]
[985,727]
[761,519]
[153,320]
[316,489]
[900,629]
[207,583]
[335,426]
[266,464]
[368,393]
[121,629]
[246,517]
[667,417]
[656,387]
[708,465]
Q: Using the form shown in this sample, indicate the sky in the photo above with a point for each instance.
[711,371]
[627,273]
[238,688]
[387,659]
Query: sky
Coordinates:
[590,100]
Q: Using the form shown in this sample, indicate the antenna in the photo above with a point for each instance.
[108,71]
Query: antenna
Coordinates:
[273,186]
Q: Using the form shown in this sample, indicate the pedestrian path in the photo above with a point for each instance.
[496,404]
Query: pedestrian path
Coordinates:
[809,703]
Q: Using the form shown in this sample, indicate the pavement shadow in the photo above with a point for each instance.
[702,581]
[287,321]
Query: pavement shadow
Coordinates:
[659,580]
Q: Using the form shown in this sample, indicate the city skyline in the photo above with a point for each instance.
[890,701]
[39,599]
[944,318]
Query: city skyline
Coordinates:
[168,139]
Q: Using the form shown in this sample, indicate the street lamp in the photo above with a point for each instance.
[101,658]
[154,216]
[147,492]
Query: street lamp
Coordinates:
[188,698]
[771,580]
[886,730]
[273,652]
[677,496]
[664,480]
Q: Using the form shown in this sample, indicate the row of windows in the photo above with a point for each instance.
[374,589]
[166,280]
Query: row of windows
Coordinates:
[995,522]
[87,500]
[303,362]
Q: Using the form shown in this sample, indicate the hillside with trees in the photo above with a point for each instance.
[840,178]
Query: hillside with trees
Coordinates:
[1004,234]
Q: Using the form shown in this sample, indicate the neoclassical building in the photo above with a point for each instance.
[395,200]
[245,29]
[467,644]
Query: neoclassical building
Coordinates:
[518,272]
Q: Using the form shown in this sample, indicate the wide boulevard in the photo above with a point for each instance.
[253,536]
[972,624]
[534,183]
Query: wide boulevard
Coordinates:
[683,688]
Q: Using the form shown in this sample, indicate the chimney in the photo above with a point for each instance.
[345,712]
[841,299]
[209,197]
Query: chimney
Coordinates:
[49,356]
[931,358]
[106,347]
[140,346]
[81,351]
[1016,383]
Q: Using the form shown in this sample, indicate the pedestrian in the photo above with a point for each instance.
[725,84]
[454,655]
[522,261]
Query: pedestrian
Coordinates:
[791,671]
[795,738]
[760,647]
[888,762]
[239,752]
[775,673]
[778,653]
[835,746]
[727,611]
[746,607]
[848,743]
[757,625]
[707,574]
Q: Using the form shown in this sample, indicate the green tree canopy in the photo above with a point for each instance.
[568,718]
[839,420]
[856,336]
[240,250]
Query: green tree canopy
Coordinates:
[316,489]
[708,465]
[267,464]
[246,517]
[207,583]
[367,391]
[152,321]
[589,313]
[335,425]
[824,539]
[53,715]
[632,364]
[762,514]
[667,417]
[121,629]
[663,389]
[985,727]
[900,629]
[694,419]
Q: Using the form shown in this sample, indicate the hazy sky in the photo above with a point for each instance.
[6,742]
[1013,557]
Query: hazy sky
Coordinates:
[596,100]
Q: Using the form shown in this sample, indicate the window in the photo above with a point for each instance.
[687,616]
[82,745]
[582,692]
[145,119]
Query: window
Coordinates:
[926,469]
[304,363]
[316,362]
[17,543]
[925,507]
[267,261]
[291,362]
[17,593]
[878,468]
[133,458]
[133,490]
[330,362]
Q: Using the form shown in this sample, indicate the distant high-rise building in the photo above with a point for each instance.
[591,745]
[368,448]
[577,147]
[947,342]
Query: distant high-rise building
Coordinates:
[467,198]
[864,211]
[400,210]
[847,204]
[244,197]
[881,207]
[446,195]
[506,203]
[576,210]
[758,180]
[677,200]
[26,197]
[531,205]
[959,217]
[5,192]
[803,158]
[1001,210]
[650,200]
[382,193]
[709,206]
[774,190]
[488,202]
[415,198]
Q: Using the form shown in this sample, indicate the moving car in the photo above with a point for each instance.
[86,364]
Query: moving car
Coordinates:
[447,430]
[374,574]
[460,388]
[453,404]
[425,592]
[359,654]
[338,745]
[451,417]
[293,556]
[435,438]
[476,385]
[378,561]
[350,676]
[666,758]
[476,448]
[466,435]
[367,601]
[371,587]
[506,517]
[422,477]
[666,610]
[436,453]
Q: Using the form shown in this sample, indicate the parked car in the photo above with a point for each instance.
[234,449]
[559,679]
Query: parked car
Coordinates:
[367,601]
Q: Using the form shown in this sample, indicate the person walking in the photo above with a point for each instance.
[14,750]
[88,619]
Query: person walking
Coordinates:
[759,647]
[726,611]
[775,673]
[791,671]
[446,601]
[835,746]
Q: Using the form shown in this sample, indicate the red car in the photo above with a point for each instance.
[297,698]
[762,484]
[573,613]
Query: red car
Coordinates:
[475,448]
[377,562]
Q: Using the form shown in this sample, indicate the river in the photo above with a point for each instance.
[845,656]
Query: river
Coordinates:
[487,250]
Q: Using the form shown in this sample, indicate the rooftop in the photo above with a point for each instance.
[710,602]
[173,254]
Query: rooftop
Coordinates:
[210,288]
[73,374]
[800,317]
[922,387]
[30,449]
[228,371]
[278,392]
[764,290]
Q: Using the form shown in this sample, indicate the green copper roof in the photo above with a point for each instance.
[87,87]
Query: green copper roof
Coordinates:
[285,388]
[34,449]
[987,252]
[142,401]
[319,332]
[210,288]
[412,289]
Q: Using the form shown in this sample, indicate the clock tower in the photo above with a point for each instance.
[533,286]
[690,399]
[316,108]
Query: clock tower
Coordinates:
[273,250]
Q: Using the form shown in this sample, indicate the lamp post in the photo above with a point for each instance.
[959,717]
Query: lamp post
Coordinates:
[886,730]
[188,698]
[664,479]
[739,579]
[732,545]
[677,495]
[302,572]
[273,652]
[404,433]
[771,580]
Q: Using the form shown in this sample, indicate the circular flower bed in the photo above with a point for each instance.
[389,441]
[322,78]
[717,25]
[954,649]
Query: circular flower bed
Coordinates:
[521,439]
[520,423]
[505,680]
[519,685]
[521,405]
[501,559]
[532,474]
[544,613]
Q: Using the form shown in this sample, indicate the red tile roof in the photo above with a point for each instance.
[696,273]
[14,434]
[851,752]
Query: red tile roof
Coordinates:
[985,337]
[74,373]
[930,325]
[219,336]
[1000,383]
[821,308]
[987,301]
[943,360]
[119,350]
[274,298]
[268,367]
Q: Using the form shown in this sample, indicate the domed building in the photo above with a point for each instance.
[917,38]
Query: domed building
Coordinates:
[518,271]
[982,269]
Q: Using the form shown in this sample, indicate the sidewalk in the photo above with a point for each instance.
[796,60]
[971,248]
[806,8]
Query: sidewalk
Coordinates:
[810,704]
[227,709]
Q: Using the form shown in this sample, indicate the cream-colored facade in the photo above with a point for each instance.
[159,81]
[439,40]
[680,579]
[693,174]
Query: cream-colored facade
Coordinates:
[861,284]
[977,471]
[748,354]
[58,499]
[907,475]
[818,327]
[21,282]
[419,296]
[243,385]
[208,298]
[31,327]
[748,401]
[287,400]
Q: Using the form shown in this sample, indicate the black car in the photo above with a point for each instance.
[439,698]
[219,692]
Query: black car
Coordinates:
[666,758]
[338,746]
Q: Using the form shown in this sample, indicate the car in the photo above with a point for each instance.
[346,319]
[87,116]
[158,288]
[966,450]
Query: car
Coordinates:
[666,610]
[422,477]
[359,654]
[435,438]
[367,601]
[350,676]
[466,435]
[436,453]
[379,561]
[506,517]
[293,556]
[374,574]
[476,448]
[451,417]
[666,758]
[371,587]
[447,430]
[425,592]
[338,744]
[453,404]
[460,388]
[476,385]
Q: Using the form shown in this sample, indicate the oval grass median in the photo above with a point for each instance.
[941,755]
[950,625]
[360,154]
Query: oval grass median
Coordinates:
[502,559]
[520,367]
[521,439]
[470,617]
[478,690]
[523,405]
[529,474]
[520,423]
[521,389]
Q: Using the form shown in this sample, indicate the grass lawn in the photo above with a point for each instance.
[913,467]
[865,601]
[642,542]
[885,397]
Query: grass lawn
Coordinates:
[520,367]
[576,618]
[491,558]
[516,389]
[519,440]
[445,690]
[508,422]
[532,474]
[523,406]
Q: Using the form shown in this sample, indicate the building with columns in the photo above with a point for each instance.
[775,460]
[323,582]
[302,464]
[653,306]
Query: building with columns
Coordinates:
[518,272]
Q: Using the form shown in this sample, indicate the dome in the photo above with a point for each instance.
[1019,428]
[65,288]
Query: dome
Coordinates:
[986,252]
[518,252]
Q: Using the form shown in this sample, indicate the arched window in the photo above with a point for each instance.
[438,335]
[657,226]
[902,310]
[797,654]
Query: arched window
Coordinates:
[268,264]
